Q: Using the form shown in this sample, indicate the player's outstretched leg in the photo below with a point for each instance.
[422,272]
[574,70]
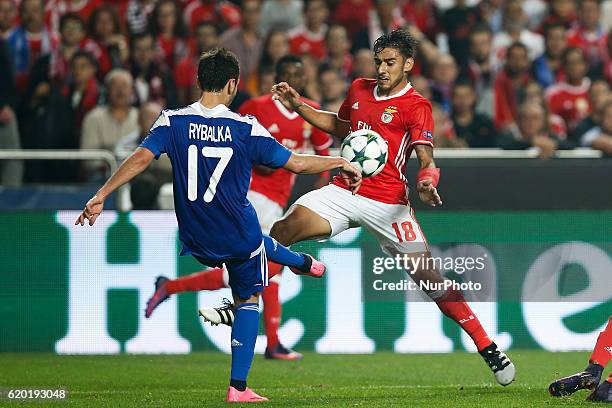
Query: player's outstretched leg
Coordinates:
[589,378]
[272,319]
[452,303]
[299,262]
[211,279]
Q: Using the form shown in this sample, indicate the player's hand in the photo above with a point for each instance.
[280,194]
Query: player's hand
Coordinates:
[92,210]
[288,96]
[428,193]
[547,146]
[351,176]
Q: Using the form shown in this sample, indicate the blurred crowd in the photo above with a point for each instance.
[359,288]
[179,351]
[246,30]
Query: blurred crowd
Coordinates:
[93,74]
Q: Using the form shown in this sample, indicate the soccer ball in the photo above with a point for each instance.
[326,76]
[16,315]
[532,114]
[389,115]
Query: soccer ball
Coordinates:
[366,150]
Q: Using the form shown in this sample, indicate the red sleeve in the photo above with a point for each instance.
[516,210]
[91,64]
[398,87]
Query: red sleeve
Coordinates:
[230,14]
[421,125]
[184,75]
[320,141]
[344,113]
[248,108]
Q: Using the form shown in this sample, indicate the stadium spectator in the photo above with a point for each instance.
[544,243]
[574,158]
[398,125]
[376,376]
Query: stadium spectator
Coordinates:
[444,134]
[508,85]
[152,82]
[606,68]
[223,13]
[457,22]
[83,92]
[533,92]
[600,137]
[385,18]
[421,84]
[170,33]
[338,49]
[106,125]
[531,131]
[353,14]
[281,15]
[247,41]
[311,67]
[363,64]
[547,67]
[514,30]
[72,35]
[536,11]
[333,88]
[428,51]
[105,42]
[475,129]
[144,189]
[589,34]
[561,12]
[30,41]
[569,99]
[492,12]
[8,11]
[480,68]
[599,94]
[11,171]
[55,9]
[275,47]
[444,75]
[423,14]
[136,13]
[309,38]
[186,71]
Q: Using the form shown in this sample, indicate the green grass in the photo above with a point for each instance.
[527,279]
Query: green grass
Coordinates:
[378,380]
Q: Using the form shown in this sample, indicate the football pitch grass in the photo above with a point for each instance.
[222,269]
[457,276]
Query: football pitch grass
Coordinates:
[376,380]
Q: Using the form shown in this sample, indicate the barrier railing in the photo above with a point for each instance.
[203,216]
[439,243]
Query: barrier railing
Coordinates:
[123,196]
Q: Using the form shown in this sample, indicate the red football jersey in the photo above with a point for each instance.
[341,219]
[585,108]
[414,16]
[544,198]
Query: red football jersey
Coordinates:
[594,45]
[302,41]
[569,102]
[293,132]
[219,12]
[403,120]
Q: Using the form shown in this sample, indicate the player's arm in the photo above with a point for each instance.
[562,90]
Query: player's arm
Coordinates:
[428,175]
[312,164]
[130,168]
[326,121]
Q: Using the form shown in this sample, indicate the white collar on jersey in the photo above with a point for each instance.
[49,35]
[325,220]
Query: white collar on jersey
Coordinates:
[208,111]
[284,111]
[400,93]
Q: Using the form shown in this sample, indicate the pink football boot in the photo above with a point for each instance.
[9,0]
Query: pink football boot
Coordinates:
[233,395]
[311,267]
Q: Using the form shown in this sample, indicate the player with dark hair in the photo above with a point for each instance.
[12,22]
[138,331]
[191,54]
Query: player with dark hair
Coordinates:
[390,106]
[212,151]
[590,377]
[268,193]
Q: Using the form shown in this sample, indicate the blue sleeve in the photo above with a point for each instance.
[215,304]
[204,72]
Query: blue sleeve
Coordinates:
[158,138]
[265,150]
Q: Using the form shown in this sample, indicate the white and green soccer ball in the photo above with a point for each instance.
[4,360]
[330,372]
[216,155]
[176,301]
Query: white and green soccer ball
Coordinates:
[366,150]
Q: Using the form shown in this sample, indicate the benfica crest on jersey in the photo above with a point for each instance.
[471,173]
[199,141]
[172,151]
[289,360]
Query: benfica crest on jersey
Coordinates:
[387,115]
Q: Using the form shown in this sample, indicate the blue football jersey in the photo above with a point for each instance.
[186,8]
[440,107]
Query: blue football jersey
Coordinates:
[212,152]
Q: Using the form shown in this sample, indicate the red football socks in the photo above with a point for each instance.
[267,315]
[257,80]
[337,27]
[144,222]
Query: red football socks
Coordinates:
[602,353]
[271,313]
[453,305]
[210,279]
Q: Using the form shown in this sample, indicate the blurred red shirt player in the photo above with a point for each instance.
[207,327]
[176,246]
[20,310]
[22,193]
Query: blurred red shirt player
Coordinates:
[269,193]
